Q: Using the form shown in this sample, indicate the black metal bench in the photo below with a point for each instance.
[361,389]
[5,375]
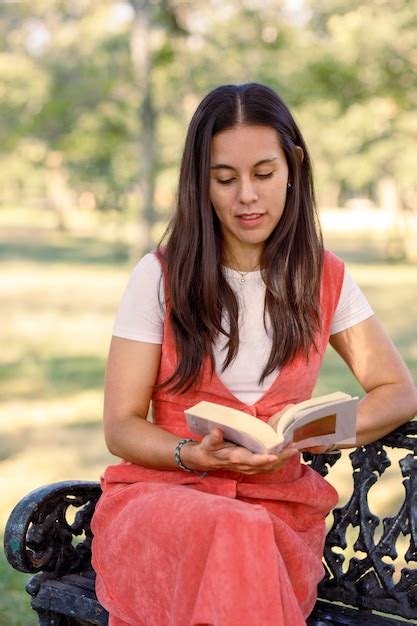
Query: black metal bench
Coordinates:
[48,533]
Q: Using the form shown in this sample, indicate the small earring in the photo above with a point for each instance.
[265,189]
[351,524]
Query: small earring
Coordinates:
[289,185]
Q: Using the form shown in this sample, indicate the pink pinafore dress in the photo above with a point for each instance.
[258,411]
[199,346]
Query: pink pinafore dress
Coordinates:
[171,548]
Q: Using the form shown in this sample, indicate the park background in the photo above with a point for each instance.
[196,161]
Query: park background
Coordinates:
[95,97]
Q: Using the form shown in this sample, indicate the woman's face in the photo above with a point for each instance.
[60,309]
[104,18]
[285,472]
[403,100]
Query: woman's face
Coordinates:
[248,188]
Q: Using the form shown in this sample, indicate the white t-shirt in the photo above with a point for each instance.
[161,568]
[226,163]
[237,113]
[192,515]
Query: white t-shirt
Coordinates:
[141,314]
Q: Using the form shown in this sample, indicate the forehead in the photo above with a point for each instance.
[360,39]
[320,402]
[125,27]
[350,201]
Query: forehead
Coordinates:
[245,144]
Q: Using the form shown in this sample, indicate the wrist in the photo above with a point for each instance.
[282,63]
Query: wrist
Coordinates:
[184,458]
[188,456]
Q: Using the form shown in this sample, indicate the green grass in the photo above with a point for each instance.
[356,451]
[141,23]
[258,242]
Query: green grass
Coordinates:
[14,601]
[58,297]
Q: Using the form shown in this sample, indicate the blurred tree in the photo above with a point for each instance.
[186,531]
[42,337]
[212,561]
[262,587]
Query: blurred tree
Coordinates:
[155,25]
[97,93]
[364,66]
[23,88]
[82,113]
[96,115]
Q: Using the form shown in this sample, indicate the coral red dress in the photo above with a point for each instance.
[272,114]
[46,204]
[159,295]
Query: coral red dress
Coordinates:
[173,549]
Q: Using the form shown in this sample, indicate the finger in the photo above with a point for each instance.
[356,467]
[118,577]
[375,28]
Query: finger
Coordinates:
[264,469]
[214,439]
[258,460]
[252,459]
[271,460]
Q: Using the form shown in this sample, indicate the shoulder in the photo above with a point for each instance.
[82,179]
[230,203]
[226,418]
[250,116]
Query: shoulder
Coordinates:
[149,263]
[147,272]
[141,312]
[145,282]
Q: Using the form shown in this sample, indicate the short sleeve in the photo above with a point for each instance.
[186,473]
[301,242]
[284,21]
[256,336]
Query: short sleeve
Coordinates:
[141,312]
[352,308]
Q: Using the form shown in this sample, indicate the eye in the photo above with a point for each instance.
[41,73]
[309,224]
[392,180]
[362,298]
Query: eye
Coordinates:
[263,176]
[225,182]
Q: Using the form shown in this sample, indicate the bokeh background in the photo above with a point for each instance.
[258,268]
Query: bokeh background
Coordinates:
[95,97]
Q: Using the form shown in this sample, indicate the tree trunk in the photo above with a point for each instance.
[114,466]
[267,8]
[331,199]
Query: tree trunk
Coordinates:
[141,54]
[57,189]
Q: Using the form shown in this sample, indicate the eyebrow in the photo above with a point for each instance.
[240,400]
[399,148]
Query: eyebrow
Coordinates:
[223,166]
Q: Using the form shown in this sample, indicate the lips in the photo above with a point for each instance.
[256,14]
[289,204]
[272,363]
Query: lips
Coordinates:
[250,219]
[250,216]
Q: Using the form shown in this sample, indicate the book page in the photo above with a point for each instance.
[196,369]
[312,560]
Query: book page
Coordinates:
[324,425]
[290,414]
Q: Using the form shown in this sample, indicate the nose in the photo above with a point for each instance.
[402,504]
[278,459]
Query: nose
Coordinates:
[247,192]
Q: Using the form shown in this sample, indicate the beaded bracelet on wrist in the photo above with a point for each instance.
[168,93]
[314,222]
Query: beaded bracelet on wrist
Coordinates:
[178,457]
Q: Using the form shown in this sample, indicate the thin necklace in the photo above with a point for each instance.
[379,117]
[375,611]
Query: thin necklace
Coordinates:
[243,275]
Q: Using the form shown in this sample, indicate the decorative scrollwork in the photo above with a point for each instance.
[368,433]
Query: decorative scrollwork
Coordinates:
[39,535]
[321,462]
[370,582]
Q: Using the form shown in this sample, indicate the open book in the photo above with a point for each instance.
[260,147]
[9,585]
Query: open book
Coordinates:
[319,421]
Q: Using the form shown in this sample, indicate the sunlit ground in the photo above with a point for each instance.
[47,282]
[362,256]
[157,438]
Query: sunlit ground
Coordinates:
[58,296]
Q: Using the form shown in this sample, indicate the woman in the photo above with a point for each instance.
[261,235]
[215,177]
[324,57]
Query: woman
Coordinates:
[237,308]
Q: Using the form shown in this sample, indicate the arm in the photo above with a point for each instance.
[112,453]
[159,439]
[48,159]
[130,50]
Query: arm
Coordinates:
[391,397]
[131,373]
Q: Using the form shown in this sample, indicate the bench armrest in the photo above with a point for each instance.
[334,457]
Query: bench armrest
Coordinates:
[49,529]
[362,568]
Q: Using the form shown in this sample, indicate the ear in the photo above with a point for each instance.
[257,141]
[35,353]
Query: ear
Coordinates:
[300,153]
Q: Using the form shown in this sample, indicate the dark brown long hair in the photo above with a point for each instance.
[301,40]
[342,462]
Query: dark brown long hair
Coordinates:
[291,261]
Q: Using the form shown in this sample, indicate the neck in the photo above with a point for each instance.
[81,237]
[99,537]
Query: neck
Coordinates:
[243,270]
[247,261]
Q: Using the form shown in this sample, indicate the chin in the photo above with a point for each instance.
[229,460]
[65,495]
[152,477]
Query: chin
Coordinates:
[257,238]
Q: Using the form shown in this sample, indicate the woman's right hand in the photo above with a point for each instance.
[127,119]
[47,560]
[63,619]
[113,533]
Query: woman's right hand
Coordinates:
[214,453]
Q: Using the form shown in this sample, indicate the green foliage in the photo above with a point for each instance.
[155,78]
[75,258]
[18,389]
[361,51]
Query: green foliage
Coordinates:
[365,61]
[347,68]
